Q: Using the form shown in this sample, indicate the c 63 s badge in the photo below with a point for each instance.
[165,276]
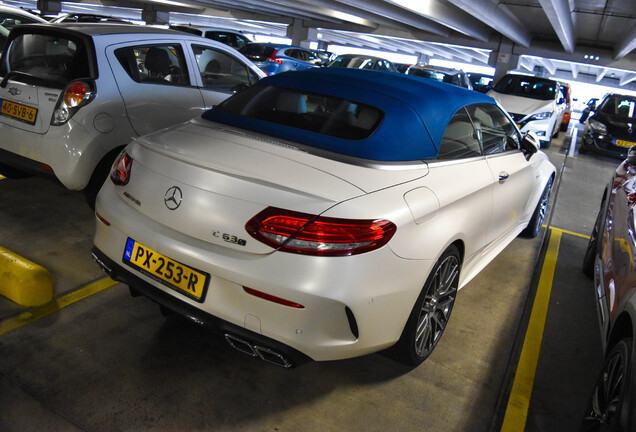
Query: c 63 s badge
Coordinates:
[229,238]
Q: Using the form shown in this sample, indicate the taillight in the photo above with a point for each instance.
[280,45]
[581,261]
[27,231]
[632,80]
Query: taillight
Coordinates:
[120,174]
[76,95]
[307,234]
[272,58]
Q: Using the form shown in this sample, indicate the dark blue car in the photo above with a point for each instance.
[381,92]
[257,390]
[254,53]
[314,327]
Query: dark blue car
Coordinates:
[273,58]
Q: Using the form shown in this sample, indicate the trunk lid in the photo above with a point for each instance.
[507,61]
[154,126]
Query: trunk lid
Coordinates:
[222,179]
[28,107]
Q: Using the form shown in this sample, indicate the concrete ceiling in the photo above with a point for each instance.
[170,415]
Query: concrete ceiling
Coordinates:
[550,36]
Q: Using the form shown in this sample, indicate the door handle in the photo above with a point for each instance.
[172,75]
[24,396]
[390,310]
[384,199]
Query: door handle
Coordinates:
[503,176]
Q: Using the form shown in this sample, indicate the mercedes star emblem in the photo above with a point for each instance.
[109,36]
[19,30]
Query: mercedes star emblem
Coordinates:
[172,198]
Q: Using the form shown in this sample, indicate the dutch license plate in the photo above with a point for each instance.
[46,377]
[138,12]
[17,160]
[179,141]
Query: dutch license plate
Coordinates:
[169,272]
[622,143]
[18,111]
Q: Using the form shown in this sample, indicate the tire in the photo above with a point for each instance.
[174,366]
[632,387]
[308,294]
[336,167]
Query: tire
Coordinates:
[536,221]
[99,176]
[592,245]
[431,312]
[605,407]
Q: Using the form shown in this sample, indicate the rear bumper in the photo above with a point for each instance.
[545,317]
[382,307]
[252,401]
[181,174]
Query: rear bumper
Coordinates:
[211,322]
[352,306]
[604,147]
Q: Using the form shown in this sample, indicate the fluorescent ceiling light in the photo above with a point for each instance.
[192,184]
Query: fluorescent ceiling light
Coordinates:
[170,3]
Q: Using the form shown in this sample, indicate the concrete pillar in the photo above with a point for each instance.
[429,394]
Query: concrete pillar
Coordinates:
[503,60]
[540,71]
[47,7]
[152,16]
[423,59]
[300,35]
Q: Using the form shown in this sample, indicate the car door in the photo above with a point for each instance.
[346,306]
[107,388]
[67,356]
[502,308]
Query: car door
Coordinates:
[513,175]
[465,182]
[155,83]
[295,58]
[220,73]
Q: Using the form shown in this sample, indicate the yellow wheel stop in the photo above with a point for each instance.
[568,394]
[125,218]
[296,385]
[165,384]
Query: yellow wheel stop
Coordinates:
[23,281]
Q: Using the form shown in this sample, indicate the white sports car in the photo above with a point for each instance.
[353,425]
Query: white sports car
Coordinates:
[323,214]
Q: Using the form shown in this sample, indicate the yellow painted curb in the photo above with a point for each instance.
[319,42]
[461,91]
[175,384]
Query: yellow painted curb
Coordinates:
[23,281]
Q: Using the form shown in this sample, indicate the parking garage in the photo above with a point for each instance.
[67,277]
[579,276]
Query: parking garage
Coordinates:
[521,352]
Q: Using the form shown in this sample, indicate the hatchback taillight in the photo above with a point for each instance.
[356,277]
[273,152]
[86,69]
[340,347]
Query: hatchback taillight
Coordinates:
[120,174]
[77,94]
[307,234]
[272,58]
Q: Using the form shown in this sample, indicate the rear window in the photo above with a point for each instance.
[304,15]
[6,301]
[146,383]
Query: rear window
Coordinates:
[257,52]
[51,57]
[327,115]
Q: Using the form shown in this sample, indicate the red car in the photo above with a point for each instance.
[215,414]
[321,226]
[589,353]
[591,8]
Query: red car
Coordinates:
[609,259]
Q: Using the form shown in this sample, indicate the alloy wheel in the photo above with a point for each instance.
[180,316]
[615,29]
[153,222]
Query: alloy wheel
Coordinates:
[604,410]
[437,306]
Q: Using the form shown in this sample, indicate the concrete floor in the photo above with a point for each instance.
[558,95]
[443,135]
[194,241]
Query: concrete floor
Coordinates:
[113,363]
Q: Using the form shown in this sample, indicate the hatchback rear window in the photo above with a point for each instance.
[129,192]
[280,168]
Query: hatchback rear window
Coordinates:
[55,58]
[257,52]
[327,115]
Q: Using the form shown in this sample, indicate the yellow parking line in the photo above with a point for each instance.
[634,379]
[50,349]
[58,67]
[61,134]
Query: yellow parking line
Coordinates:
[570,233]
[519,401]
[54,305]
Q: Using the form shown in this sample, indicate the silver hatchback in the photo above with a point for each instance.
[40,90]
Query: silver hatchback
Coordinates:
[73,96]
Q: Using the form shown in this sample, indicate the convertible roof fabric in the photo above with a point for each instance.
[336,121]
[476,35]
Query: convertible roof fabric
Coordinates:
[416,111]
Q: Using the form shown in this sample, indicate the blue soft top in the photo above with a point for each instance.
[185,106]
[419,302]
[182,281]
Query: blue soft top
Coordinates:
[416,111]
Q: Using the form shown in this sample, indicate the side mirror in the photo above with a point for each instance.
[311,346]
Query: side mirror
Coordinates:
[530,144]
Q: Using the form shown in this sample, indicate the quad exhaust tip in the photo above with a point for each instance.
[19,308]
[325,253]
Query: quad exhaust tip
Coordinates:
[267,354]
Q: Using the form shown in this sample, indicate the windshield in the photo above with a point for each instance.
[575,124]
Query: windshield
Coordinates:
[327,115]
[353,62]
[50,57]
[620,106]
[526,86]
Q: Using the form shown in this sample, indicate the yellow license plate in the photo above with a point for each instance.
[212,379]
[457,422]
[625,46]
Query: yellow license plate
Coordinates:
[622,143]
[169,272]
[18,111]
